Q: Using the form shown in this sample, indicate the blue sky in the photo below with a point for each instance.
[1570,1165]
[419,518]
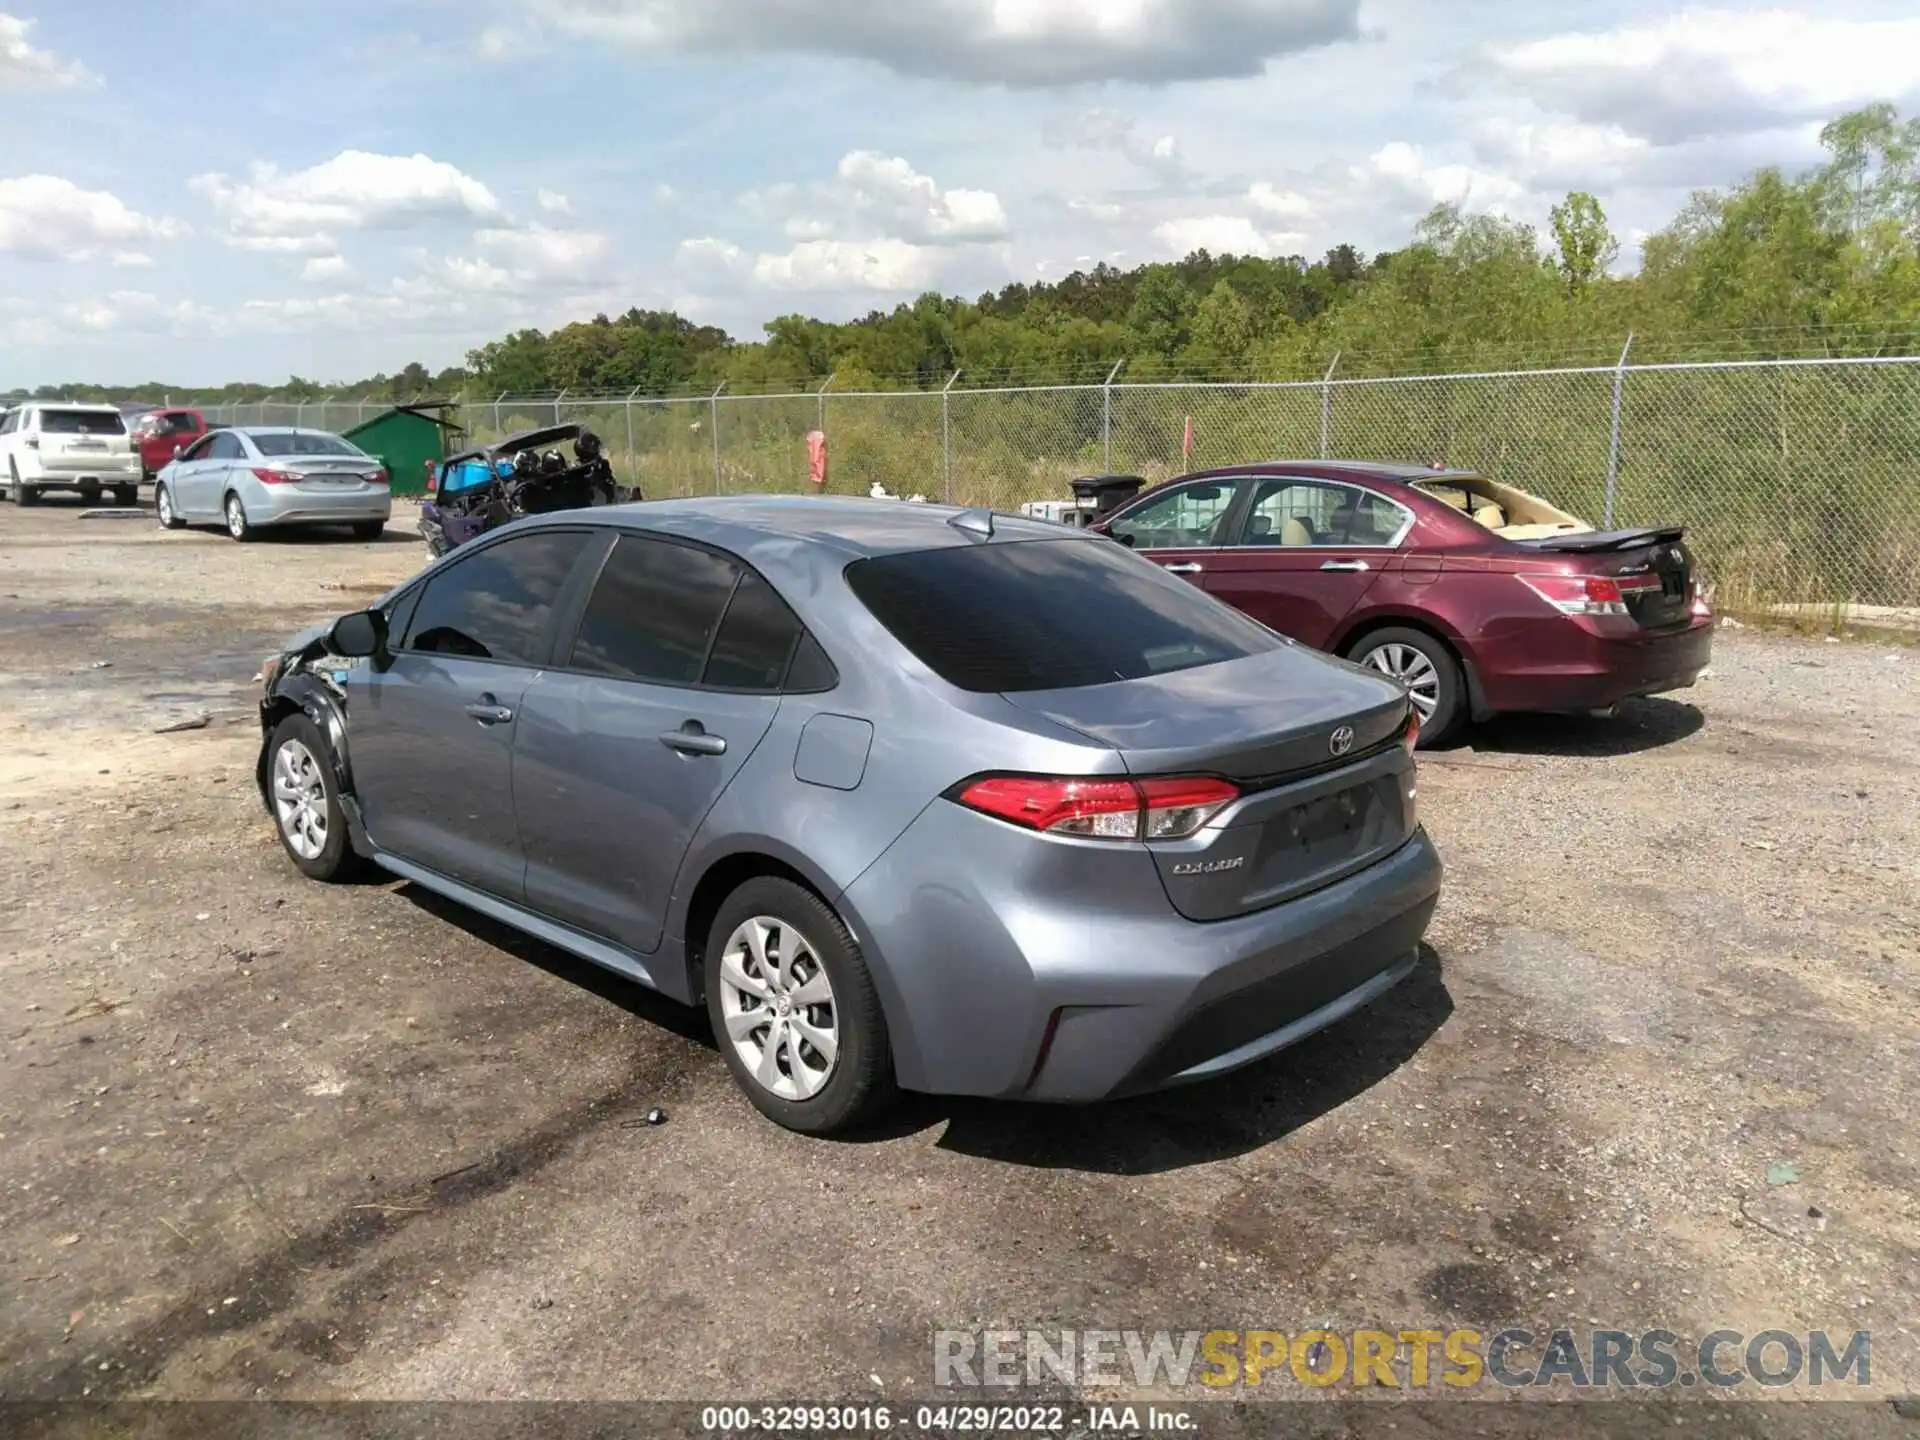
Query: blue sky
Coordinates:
[222,191]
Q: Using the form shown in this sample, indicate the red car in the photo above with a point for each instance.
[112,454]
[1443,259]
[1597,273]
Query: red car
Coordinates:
[159,435]
[1480,598]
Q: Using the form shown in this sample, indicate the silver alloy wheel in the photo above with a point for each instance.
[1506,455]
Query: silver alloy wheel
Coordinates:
[236,517]
[1411,669]
[163,503]
[300,799]
[778,1006]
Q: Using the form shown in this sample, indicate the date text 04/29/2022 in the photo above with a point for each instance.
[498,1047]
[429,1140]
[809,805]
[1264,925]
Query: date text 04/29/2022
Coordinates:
[946,1419]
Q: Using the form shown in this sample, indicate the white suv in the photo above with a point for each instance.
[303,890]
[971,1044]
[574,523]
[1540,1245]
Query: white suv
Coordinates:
[49,445]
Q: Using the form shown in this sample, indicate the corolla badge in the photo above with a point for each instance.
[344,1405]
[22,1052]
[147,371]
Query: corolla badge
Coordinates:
[1341,741]
[1208,867]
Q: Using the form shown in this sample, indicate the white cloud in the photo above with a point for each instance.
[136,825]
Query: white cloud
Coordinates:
[1405,171]
[884,264]
[553,202]
[43,217]
[317,244]
[1105,211]
[1560,153]
[1220,234]
[131,260]
[23,67]
[325,267]
[355,190]
[1027,43]
[1710,72]
[1102,129]
[537,253]
[121,310]
[874,194]
[1284,204]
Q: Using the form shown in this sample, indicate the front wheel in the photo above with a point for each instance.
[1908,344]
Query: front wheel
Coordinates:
[795,1010]
[238,525]
[163,509]
[1426,668]
[306,801]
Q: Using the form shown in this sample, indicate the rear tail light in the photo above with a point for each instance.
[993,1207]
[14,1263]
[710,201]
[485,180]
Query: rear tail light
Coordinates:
[375,477]
[268,476]
[1579,594]
[1156,809]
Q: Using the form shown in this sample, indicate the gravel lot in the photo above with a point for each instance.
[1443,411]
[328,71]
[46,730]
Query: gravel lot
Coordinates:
[265,1137]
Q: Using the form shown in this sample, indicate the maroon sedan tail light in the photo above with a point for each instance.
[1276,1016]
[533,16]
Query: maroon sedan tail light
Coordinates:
[1157,809]
[1584,594]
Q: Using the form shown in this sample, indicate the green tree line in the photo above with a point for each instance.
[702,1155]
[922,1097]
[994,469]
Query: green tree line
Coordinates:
[1822,262]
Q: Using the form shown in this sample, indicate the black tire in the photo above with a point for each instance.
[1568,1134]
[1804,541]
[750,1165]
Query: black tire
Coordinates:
[860,1084]
[1385,650]
[369,529]
[90,494]
[163,510]
[336,859]
[234,509]
[128,495]
[23,493]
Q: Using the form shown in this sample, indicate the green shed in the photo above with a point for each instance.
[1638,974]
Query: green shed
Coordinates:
[407,438]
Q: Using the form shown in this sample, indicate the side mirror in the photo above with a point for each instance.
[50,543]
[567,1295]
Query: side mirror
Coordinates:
[356,636]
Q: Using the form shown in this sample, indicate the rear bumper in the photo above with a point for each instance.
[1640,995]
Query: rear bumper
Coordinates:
[1559,665]
[73,475]
[310,507]
[997,979]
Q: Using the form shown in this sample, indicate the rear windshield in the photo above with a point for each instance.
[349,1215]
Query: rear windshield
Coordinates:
[82,422]
[1048,615]
[307,442]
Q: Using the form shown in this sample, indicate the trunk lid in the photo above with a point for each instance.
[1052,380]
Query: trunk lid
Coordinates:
[1652,566]
[80,441]
[1312,742]
[328,472]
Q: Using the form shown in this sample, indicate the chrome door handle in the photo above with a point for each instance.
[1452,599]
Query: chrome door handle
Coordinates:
[488,713]
[694,742]
[1347,565]
[1184,569]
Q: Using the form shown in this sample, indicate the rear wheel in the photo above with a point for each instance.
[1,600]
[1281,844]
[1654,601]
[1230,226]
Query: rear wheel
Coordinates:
[23,493]
[163,509]
[126,494]
[795,1010]
[90,494]
[237,524]
[369,529]
[1426,668]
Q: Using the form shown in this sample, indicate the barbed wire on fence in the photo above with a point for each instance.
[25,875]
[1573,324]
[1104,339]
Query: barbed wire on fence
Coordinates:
[1798,479]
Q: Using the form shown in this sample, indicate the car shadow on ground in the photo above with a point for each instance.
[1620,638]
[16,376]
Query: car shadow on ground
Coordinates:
[1147,1135]
[687,1021]
[1641,725]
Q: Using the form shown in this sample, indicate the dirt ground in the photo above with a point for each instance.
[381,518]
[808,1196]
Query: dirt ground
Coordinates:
[260,1136]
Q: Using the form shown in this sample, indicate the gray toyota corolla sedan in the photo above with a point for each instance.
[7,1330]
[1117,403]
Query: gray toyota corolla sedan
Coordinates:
[908,796]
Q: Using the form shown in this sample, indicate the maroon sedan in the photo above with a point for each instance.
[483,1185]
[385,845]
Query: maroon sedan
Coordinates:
[1477,596]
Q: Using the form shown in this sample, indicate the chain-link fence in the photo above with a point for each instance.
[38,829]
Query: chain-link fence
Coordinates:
[1798,480]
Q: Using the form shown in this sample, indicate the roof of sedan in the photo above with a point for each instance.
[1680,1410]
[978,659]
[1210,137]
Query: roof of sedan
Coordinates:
[852,526]
[1399,471]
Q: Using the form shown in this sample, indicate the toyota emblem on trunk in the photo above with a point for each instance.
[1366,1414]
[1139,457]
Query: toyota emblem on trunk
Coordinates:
[1341,741]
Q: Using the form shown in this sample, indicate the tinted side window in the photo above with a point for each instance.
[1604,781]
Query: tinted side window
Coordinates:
[756,639]
[495,604]
[226,446]
[654,612]
[1048,615]
[200,449]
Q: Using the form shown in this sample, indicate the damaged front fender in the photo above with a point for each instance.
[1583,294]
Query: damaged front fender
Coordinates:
[299,691]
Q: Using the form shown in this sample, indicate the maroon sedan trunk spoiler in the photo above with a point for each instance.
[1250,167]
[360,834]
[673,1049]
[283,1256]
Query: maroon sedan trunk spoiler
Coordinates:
[1597,542]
